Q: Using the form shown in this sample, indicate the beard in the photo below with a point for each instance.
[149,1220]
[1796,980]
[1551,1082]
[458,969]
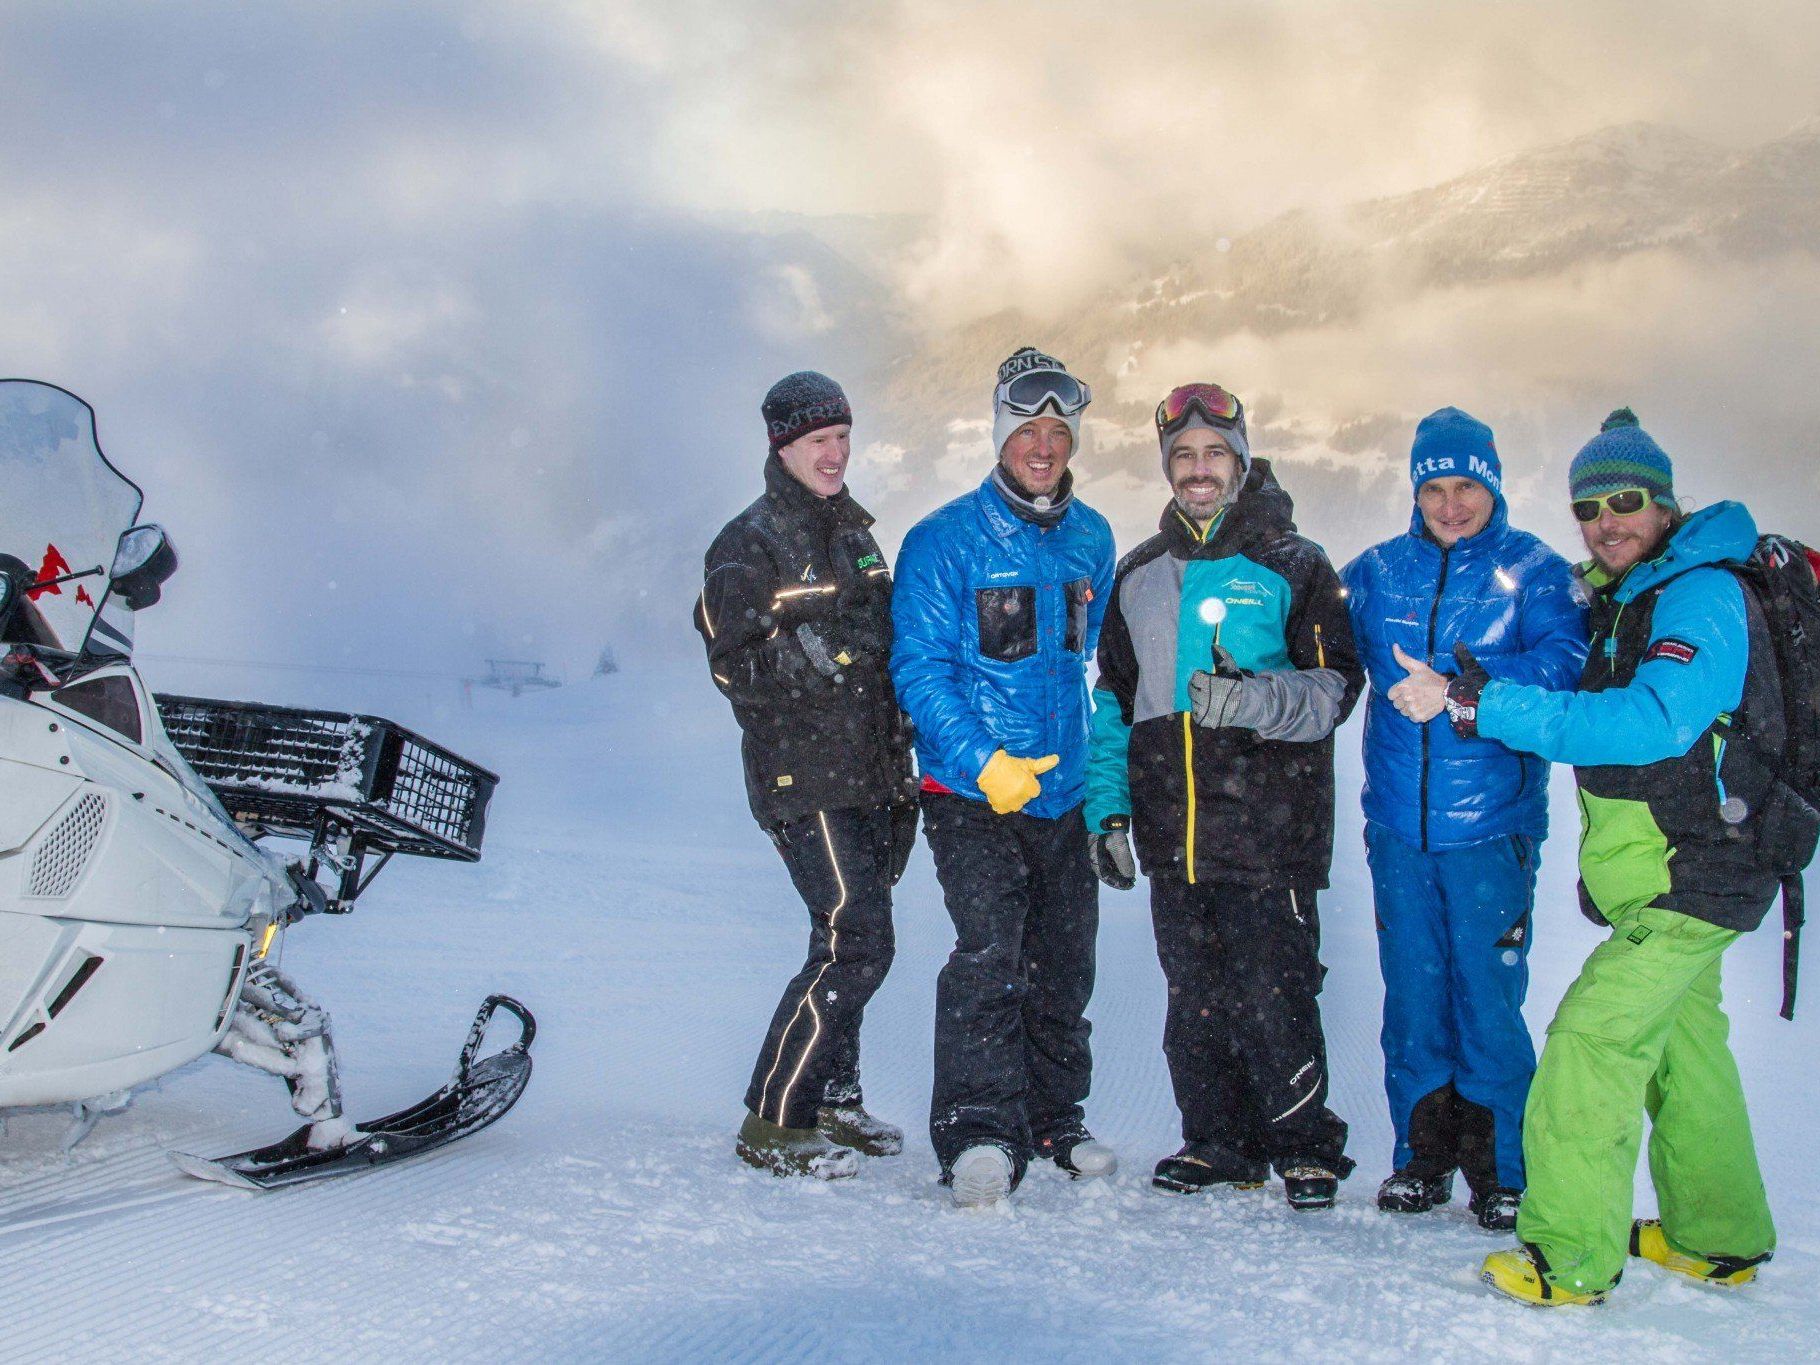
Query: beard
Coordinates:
[1200,501]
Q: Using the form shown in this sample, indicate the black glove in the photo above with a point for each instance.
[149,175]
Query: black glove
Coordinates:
[825,656]
[1110,854]
[863,626]
[903,838]
[1463,693]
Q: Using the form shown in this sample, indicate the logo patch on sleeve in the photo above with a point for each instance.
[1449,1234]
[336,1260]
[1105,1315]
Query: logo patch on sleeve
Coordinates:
[1670,648]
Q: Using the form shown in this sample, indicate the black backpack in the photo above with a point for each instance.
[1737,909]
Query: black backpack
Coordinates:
[1784,577]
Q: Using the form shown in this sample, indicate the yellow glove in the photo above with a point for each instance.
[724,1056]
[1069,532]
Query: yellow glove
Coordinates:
[1010,783]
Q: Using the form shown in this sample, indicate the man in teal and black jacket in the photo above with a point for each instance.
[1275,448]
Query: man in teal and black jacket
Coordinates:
[1226,661]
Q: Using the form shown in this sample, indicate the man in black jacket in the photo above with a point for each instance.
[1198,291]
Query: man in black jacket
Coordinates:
[796,613]
[1226,661]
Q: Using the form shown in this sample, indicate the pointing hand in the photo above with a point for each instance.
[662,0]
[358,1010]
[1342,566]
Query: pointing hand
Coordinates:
[1009,784]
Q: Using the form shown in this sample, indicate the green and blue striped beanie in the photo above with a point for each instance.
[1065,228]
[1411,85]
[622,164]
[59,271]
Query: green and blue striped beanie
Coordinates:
[1622,455]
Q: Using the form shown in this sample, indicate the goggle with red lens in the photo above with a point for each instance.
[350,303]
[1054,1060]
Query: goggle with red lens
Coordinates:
[1625,502]
[1029,393]
[1213,403]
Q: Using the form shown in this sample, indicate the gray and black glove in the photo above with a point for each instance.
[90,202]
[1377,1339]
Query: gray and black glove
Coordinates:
[1299,705]
[1110,853]
[1214,697]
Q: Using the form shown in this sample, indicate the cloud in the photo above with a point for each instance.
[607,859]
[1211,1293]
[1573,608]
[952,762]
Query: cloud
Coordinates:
[379,305]
[1713,357]
[1056,145]
[433,325]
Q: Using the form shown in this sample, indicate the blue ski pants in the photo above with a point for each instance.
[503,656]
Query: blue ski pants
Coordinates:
[1453,942]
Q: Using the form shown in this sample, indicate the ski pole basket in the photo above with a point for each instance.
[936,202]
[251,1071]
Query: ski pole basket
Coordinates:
[349,784]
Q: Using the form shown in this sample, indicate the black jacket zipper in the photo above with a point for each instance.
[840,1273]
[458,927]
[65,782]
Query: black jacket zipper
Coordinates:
[1434,613]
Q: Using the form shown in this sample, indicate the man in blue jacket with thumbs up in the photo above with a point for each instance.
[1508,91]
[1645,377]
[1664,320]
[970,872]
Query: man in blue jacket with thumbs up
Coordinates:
[1454,826]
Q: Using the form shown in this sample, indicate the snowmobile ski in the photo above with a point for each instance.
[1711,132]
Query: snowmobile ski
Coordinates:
[478,1093]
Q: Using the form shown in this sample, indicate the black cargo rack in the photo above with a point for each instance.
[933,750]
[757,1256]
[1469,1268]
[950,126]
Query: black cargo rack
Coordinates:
[349,784]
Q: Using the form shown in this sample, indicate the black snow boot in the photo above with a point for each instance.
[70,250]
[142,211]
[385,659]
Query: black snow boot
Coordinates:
[1416,1188]
[1079,1153]
[1202,1165]
[1496,1209]
[1310,1184]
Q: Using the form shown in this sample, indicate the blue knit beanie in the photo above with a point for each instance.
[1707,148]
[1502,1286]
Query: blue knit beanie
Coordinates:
[1451,444]
[1622,455]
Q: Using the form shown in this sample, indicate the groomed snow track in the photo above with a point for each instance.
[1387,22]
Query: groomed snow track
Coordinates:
[630,903]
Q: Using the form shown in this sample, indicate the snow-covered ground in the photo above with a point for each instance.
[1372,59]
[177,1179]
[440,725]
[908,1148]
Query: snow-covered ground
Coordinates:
[627,897]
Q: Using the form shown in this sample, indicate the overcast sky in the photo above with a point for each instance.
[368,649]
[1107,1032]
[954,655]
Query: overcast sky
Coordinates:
[431,329]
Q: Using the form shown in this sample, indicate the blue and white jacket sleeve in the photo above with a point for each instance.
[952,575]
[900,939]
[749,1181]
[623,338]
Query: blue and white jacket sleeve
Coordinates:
[928,666]
[1692,673]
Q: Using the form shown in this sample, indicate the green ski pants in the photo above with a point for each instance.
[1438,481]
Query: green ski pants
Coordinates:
[1641,1030]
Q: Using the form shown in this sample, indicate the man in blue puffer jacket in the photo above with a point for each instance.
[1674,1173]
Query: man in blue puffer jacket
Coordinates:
[997,610]
[1454,826]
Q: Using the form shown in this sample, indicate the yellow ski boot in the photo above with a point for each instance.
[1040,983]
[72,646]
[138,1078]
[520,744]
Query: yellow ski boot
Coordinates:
[1731,1272]
[1517,1274]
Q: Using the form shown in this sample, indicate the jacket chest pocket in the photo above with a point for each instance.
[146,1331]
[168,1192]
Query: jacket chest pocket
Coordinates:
[858,560]
[1007,622]
[1077,594]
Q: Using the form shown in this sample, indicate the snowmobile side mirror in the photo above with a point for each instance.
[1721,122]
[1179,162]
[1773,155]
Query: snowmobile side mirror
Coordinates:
[143,561]
[15,578]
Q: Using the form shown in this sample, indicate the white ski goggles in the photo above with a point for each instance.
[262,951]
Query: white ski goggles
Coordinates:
[1029,393]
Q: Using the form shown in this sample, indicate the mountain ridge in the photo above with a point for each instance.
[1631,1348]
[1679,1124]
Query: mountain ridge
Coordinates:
[1604,195]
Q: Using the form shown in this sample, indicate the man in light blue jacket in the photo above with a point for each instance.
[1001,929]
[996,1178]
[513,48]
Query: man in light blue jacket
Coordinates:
[1454,826]
[997,610]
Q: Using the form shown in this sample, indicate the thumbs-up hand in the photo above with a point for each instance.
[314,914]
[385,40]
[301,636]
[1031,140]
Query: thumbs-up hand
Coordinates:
[1423,694]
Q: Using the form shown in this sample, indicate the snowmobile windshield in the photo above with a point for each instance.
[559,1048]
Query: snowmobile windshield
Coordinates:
[64,512]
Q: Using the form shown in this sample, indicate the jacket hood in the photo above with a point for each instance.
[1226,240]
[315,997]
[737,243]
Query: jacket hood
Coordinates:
[1724,533]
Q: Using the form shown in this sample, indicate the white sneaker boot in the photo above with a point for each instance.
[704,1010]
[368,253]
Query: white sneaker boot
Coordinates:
[980,1176]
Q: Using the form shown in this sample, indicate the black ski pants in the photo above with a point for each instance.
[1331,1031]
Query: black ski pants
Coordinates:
[1243,1032]
[840,861]
[1012,1063]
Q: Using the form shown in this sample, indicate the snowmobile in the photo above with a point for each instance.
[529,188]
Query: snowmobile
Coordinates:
[140,895]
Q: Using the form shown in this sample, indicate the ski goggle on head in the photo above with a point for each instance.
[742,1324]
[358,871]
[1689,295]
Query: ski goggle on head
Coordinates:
[1624,503]
[1029,393]
[1213,402]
